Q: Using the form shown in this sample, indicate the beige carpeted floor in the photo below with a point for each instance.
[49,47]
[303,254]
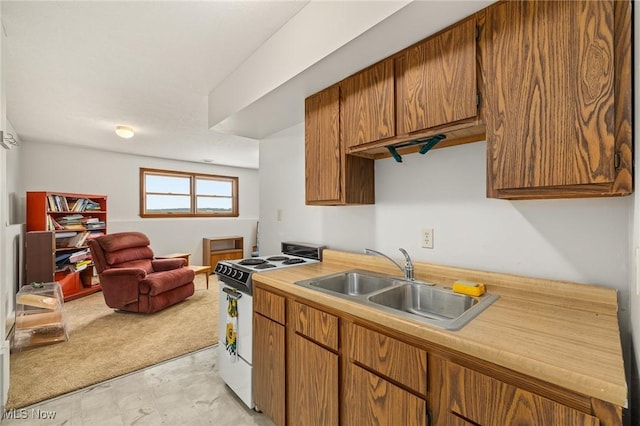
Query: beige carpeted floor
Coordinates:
[104,344]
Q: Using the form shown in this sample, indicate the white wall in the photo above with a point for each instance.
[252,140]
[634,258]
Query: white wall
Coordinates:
[582,240]
[48,167]
[282,188]
[5,284]
[634,273]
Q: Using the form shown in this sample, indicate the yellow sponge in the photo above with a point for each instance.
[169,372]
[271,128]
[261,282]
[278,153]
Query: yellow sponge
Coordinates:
[468,287]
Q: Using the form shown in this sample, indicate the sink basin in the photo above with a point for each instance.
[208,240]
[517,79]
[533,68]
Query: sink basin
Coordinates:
[416,300]
[429,302]
[352,283]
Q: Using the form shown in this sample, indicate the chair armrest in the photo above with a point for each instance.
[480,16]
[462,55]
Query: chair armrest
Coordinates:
[160,282]
[120,285]
[168,264]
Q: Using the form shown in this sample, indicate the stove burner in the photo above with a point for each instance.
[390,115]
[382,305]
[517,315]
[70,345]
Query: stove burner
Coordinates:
[250,262]
[293,261]
[264,266]
[277,258]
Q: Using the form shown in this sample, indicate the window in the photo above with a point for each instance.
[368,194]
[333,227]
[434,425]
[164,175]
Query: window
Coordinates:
[164,193]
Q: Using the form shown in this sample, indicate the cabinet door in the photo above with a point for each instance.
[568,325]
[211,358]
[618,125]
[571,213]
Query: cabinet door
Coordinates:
[313,384]
[367,110]
[487,401]
[375,401]
[323,153]
[40,248]
[269,368]
[436,80]
[551,118]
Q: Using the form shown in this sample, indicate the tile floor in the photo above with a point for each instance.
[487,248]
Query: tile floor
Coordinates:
[181,392]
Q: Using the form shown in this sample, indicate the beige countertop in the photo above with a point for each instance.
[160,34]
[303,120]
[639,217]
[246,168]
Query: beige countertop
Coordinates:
[559,332]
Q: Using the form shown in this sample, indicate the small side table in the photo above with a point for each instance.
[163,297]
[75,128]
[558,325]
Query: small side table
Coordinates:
[185,256]
[201,270]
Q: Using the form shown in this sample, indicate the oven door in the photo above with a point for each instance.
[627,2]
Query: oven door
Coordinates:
[245,320]
[237,373]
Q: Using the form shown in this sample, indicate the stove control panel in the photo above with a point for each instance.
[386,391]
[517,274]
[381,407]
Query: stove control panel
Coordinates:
[233,276]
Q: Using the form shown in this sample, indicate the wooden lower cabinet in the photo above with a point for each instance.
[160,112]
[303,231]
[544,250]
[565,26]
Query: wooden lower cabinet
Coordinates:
[316,366]
[313,389]
[269,367]
[372,400]
[486,401]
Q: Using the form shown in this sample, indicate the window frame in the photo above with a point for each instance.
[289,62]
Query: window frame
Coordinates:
[192,194]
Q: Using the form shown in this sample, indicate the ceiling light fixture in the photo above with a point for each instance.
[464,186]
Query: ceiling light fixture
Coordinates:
[124,132]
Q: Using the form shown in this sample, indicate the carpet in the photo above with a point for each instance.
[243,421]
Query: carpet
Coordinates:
[104,344]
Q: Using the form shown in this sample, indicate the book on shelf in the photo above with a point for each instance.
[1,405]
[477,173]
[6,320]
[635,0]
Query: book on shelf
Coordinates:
[57,203]
[62,258]
[67,234]
[81,266]
[60,203]
[84,204]
[53,224]
[92,205]
[72,218]
[77,206]
[95,234]
[79,255]
[95,225]
[78,240]
[75,226]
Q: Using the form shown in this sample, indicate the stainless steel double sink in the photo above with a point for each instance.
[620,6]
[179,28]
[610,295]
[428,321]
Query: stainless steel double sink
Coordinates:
[418,300]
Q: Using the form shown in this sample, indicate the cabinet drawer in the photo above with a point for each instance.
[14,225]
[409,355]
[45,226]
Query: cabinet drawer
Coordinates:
[392,358]
[268,304]
[487,401]
[316,325]
[216,257]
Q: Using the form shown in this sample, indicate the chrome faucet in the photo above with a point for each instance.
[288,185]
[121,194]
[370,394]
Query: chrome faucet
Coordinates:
[408,264]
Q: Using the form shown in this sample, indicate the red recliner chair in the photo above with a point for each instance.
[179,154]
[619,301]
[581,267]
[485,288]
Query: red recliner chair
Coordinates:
[132,280]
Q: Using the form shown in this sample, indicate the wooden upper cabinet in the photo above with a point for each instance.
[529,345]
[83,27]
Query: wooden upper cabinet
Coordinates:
[331,176]
[367,110]
[558,83]
[323,163]
[437,80]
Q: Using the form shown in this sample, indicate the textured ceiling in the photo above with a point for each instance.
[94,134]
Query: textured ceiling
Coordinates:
[74,70]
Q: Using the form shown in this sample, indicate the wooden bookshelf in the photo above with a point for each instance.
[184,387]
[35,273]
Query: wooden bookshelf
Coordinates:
[58,227]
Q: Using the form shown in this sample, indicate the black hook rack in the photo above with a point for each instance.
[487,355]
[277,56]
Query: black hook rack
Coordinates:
[427,144]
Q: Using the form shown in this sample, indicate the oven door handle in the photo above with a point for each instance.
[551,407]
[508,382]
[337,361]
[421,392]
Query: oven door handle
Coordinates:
[232,292]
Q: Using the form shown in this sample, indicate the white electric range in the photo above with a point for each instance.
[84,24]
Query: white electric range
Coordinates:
[235,280]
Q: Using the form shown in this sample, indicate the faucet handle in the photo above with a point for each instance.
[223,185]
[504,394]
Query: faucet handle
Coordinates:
[408,265]
[406,255]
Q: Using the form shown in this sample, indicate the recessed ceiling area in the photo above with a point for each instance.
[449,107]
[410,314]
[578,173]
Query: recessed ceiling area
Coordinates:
[196,80]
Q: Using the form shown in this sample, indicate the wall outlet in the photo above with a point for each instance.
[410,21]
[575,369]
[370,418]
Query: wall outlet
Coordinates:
[426,238]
